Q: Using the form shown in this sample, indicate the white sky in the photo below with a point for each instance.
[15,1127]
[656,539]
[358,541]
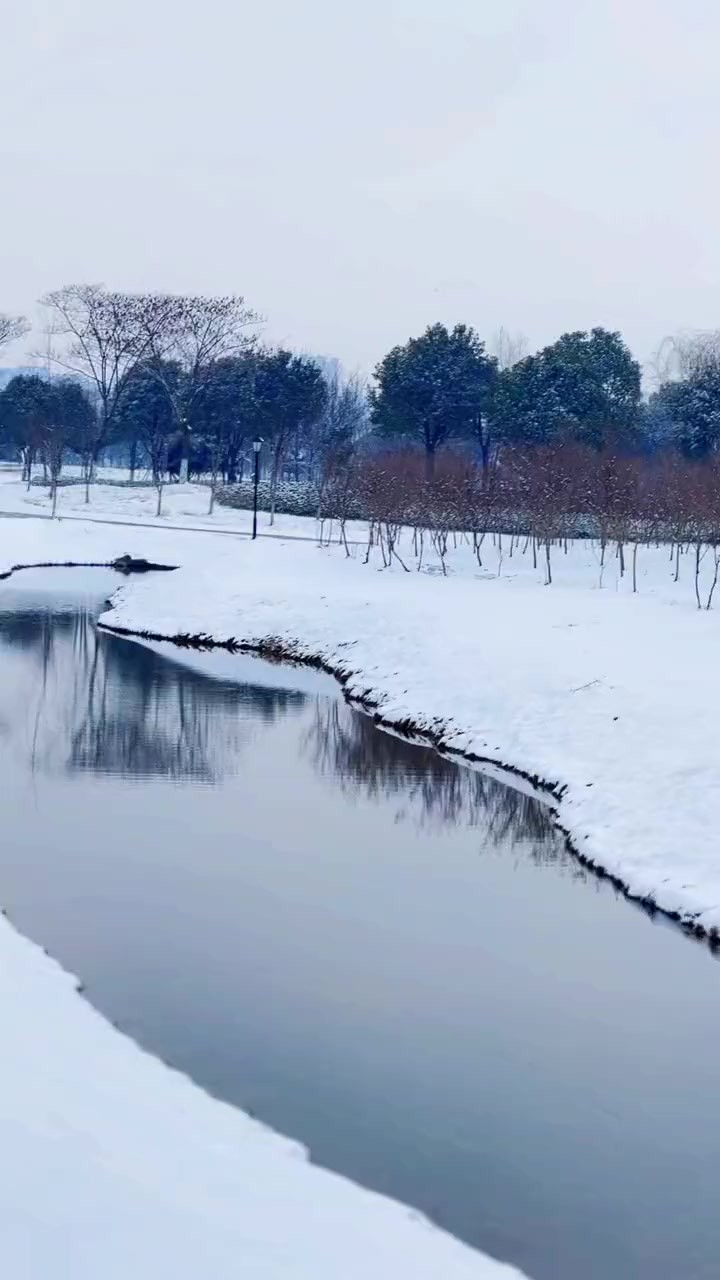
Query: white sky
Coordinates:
[359,172]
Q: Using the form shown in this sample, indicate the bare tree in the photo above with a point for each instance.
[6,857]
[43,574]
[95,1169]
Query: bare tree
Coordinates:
[344,420]
[12,328]
[100,336]
[54,453]
[507,348]
[195,334]
[686,355]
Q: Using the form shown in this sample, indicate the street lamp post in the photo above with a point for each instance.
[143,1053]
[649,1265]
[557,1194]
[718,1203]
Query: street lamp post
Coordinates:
[185,450]
[257,446]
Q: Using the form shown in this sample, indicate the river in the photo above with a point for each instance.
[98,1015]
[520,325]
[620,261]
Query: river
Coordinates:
[385,955]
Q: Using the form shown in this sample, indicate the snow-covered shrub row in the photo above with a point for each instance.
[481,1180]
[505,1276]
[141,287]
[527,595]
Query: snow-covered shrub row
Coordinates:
[292,498]
[65,482]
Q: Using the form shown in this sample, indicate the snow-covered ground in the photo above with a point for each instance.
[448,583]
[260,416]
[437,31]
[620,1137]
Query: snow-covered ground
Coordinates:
[184,505]
[608,694]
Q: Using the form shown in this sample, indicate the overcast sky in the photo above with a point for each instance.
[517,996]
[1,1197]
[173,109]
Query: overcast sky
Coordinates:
[358,172]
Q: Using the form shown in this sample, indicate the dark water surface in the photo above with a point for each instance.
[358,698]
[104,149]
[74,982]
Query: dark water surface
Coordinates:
[382,954]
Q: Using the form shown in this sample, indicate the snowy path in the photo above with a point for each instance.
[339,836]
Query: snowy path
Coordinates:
[156,524]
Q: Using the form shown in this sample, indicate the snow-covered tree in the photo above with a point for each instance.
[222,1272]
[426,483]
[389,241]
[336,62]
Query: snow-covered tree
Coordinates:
[687,405]
[585,385]
[435,388]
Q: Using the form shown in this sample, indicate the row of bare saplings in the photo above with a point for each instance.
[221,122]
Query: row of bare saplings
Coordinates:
[532,499]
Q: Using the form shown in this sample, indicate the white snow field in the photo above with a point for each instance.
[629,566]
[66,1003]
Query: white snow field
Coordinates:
[184,505]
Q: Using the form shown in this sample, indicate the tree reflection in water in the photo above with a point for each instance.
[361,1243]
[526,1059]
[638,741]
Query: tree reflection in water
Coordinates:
[93,702]
[431,789]
[83,701]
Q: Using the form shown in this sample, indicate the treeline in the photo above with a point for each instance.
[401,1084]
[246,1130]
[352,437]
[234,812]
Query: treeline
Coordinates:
[181,385]
[446,387]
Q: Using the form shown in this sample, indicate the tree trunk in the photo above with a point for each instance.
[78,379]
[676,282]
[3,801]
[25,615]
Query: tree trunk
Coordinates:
[715,578]
[133,459]
[213,484]
[484,441]
[429,463]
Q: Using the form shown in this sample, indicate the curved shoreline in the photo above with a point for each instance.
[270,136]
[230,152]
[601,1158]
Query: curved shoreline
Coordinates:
[276,650]
[122,564]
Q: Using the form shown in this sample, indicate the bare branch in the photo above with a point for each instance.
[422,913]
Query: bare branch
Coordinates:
[12,328]
[686,355]
[100,336]
[508,348]
[194,333]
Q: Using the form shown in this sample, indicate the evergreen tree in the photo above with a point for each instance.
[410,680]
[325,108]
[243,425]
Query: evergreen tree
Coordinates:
[290,395]
[145,419]
[26,415]
[585,385]
[435,388]
[690,411]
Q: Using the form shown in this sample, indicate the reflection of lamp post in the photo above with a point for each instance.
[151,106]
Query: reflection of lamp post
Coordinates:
[257,446]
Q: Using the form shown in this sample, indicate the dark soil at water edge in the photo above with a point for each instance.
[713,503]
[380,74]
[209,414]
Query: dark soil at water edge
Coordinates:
[274,649]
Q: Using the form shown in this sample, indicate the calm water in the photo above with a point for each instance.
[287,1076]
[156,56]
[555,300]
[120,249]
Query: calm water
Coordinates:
[381,954]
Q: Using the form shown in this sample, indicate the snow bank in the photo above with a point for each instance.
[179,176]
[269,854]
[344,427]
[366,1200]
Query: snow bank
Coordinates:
[115,1166]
